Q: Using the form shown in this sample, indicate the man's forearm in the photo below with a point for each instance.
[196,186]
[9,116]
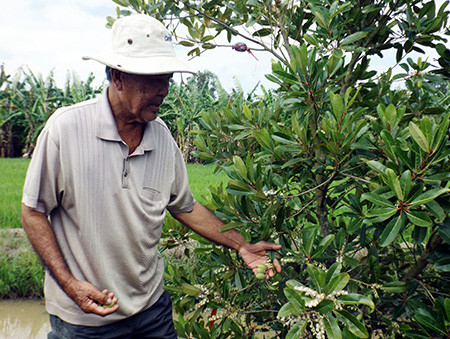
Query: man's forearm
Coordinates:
[42,238]
[206,224]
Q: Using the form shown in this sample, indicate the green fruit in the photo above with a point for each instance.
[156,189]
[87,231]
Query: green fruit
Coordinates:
[110,305]
[261,268]
[260,276]
[105,306]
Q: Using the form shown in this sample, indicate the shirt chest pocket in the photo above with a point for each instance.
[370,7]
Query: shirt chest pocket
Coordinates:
[152,199]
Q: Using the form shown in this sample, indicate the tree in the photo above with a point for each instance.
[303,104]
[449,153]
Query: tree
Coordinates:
[348,173]
[27,101]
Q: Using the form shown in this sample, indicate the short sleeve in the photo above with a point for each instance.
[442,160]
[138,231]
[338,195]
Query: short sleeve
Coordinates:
[181,199]
[41,191]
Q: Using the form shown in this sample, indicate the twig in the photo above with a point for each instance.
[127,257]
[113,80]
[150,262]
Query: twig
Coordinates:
[233,31]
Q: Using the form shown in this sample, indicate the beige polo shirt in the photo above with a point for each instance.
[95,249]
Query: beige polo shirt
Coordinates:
[106,207]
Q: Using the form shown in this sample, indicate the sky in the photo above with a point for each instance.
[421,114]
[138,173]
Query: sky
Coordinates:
[53,35]
[46,35]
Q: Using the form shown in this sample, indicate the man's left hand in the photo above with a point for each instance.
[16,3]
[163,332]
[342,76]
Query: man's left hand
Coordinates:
[254,254]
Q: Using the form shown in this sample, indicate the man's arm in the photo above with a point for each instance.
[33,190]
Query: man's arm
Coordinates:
[206,224]
[42,238]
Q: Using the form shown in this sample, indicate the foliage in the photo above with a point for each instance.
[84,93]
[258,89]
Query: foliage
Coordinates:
[182,108]
[347,172]
[12,177]
[21,272]
[26,102]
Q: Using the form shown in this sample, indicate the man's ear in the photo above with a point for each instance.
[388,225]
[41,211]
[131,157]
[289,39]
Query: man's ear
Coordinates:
[117,78]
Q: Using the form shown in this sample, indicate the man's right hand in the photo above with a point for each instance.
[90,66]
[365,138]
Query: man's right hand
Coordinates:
[88,298]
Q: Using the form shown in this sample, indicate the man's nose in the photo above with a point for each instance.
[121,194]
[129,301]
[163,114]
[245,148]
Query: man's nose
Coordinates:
[164,88]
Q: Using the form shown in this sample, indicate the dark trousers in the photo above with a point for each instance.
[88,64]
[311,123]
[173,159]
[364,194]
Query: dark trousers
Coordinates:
[156,323]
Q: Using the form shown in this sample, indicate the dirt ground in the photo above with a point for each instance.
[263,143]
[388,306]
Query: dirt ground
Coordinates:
[13,241]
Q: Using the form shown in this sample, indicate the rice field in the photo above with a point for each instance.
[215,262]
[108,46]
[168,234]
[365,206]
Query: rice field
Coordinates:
[12,177]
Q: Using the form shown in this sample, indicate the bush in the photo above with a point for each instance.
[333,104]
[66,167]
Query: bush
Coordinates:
[350,175]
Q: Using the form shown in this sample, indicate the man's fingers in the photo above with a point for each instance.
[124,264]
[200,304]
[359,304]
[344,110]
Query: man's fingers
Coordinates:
[277,265]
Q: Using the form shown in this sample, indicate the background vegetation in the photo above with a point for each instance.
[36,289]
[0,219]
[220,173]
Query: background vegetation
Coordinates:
[342,166]
[21,272]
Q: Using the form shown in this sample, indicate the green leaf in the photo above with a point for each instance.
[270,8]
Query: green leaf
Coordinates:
[238,185]
[353,325]
[230,226]
[429,322]
[375,165]
[247,113]
[443,264]
[394,183]
[391,231]
[419,137]
[325,306]
[405,182]
[382,213]
[122,3]
[301,57]
[447,308]
[332,328]
[444,231]
[419,218]
[377,200]
[186,43]
[353,38]
[190,290]
[315,275]
[295,298]
[287,310]
[390,114]
[264,139]
[441,132]
[395,287]
[333,271]
[324,243]
[428,196]
[297,330]
[337,104]
[338,283]
[419,234]
[357,299]
[240,166]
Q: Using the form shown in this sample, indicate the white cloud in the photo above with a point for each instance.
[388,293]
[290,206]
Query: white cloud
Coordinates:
[47,35]
[50,35]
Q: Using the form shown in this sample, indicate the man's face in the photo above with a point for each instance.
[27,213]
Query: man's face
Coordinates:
[142,95]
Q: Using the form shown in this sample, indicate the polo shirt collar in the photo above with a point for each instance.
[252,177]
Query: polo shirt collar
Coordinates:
[106,128]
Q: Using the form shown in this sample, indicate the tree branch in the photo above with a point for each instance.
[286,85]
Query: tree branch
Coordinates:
[419,266]
[235,32]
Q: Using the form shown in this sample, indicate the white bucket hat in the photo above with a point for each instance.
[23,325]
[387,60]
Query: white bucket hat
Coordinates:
[142,45]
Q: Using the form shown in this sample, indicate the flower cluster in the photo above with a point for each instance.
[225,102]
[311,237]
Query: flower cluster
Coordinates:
[203,296]
[318,297]
[317,325]
[220,270]
[314,319]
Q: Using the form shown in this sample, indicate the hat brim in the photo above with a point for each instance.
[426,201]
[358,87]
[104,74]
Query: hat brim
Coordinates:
[146,66]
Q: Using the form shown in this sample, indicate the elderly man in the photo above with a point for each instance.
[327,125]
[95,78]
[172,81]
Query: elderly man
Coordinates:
[103,173]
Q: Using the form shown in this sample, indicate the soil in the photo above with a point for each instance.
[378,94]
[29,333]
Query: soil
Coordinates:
[14,241]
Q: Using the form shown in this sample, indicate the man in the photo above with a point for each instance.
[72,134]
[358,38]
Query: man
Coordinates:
[102,175]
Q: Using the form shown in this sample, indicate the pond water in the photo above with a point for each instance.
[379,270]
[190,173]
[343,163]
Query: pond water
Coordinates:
[20,319]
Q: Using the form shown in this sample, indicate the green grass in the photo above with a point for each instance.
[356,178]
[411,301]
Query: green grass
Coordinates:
[21,272]
[201,177]
[12,177]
